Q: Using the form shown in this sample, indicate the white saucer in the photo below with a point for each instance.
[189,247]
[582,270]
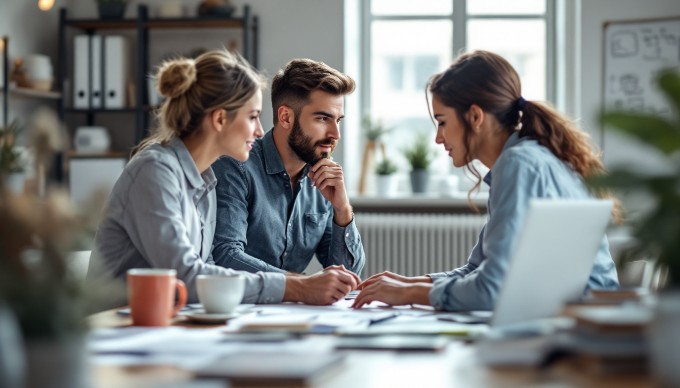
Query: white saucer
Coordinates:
[203,317]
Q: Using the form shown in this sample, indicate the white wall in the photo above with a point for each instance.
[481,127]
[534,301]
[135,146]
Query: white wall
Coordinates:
[593,15]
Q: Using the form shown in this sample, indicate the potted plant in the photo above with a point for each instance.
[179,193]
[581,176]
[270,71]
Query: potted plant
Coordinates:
[373,130]
[111,9]
[419,156]
[385,182]
[47,299]
[12,160]
[656,232]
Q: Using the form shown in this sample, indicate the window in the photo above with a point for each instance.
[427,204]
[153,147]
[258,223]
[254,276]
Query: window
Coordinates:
[406,42]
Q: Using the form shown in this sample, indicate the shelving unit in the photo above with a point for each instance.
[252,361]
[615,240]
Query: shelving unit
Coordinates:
[142,24]
[33,93]
[11,92]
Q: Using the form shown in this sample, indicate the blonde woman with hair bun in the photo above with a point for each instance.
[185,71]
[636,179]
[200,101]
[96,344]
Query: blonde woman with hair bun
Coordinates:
[161,212]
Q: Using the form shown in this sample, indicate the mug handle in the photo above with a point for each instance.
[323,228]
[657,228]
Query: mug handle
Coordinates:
[182,299]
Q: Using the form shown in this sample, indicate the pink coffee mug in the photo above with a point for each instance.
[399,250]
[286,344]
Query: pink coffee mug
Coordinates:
[151,295]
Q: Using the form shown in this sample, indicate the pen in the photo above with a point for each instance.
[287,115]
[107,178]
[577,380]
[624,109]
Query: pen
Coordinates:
[137,353]
[383,318]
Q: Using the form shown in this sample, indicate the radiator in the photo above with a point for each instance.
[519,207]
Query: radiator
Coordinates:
[416,244]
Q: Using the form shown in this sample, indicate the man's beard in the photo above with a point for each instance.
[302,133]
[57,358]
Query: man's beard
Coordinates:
[302,145]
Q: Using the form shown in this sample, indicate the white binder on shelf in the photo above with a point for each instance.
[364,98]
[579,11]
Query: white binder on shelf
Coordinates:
[96,72]
[115,71]
[81,72]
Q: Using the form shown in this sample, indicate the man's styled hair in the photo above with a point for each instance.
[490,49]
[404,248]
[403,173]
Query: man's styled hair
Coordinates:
[293,84]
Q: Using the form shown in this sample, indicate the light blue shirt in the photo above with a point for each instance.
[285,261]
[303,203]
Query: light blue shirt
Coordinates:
[263,225]
[524,170]
[161,214]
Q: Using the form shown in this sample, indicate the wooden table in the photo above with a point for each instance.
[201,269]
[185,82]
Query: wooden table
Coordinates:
[457,366]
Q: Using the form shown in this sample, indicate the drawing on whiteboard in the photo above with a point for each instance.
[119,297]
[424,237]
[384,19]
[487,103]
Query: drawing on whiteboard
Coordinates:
[635,52]
[624,44]
[651,50]
[635,104]
[630,84]
[668,38]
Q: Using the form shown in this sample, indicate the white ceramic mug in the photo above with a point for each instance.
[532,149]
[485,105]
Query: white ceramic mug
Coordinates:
[220,294]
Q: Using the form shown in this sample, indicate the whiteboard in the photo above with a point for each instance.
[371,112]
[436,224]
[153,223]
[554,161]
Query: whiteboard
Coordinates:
[634,52]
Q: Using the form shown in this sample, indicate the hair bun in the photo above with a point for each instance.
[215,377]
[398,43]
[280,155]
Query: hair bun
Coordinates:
[175,77]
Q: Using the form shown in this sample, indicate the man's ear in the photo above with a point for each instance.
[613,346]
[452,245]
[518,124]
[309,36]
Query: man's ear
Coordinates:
[219,119]
[286,116]
[475,117]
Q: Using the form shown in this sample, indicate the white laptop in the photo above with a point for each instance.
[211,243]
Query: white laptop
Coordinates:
[551,262]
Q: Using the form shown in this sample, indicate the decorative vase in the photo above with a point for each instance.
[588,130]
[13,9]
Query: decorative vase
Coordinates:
[419,180]
[386,185]
[15,182]
[664,339]
[57,363]
[11,352]
[111,9]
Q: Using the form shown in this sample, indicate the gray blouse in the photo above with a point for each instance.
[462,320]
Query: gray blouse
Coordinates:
[161,214]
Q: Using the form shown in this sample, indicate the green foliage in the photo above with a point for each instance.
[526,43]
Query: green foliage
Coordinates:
[10,158]
[420,155]
[374,129]
[657,232]
[385,167]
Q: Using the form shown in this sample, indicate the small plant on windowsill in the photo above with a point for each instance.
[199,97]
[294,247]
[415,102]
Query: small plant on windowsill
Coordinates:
[420,155]
[385,180]
[385,167]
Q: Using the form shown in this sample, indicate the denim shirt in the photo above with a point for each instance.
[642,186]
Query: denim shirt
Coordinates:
[262,225]
[161,214]
[524,170]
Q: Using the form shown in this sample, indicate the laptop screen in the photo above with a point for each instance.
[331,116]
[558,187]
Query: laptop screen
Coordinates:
[552,258]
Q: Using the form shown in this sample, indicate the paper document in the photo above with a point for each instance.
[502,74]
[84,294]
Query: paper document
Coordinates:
[185,347]
[312,321]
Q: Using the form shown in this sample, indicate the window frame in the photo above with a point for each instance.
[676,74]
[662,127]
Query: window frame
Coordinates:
[459,18]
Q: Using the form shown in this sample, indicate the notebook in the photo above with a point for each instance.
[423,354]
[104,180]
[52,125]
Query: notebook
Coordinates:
[559,240]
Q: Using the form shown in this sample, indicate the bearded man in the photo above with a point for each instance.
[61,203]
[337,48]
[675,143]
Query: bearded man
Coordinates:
[288,202]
